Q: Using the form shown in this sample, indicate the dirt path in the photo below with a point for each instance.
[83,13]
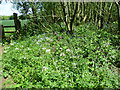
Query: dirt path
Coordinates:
[1,50]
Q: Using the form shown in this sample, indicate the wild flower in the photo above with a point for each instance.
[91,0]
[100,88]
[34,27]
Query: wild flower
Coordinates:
[74,65]
[62,54]
[60,48]
[44,68]
[68,50]
[44,48]
[16,48]
[24,57]
[41,38]
[5,51]
[48,50]
[11,43]
[29,49]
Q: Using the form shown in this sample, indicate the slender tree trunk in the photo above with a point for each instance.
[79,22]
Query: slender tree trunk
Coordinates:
[118,18]
[69,11]
[100,22]
[118,8]
[64,14]
[73,17]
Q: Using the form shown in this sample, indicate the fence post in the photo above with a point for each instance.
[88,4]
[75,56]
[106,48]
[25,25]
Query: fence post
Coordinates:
[2,33]
[17,23]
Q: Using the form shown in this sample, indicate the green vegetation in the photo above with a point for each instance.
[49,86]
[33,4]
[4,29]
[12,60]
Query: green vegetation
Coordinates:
[64,45]
[49,60]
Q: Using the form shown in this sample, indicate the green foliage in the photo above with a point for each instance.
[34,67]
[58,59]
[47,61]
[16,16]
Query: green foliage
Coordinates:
[59,60]
[40,25]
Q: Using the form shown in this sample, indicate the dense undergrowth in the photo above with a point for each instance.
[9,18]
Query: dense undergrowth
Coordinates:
[51,60]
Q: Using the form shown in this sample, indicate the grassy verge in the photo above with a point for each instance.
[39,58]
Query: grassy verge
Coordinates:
[1,50]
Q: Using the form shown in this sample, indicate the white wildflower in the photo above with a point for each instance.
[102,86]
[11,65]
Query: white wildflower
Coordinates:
[44,68]
[29,49]
[44,48]
[37,42]
[62,54]
[5,51]
[41,38]
[68,50]
[16,48]
[60,48]
[48,50]
[74,64]
[24,57]
[11,43]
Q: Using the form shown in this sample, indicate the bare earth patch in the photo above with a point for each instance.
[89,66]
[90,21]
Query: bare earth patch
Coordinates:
[1,50]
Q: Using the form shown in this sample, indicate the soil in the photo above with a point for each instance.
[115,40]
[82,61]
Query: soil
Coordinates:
[1,50]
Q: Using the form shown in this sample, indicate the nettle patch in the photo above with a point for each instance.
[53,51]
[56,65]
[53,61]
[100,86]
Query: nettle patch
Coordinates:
[49,61]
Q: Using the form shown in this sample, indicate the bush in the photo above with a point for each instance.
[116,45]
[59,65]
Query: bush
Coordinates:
[60,60]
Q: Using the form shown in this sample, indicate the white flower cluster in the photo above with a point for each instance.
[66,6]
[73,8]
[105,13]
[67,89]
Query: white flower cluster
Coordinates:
[61,48]
[74,65]
[5,51]
[68,50]
[44,48]
[29,49]
[44,68]
[62,54]
[13,43]
[48,50]
[16,48]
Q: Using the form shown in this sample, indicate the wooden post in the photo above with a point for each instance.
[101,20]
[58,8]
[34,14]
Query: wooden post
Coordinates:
[17,23]
[2,34]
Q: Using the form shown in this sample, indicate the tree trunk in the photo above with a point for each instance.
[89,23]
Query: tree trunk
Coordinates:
[119,19]
[73,18]
[118,8]
[100,22]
